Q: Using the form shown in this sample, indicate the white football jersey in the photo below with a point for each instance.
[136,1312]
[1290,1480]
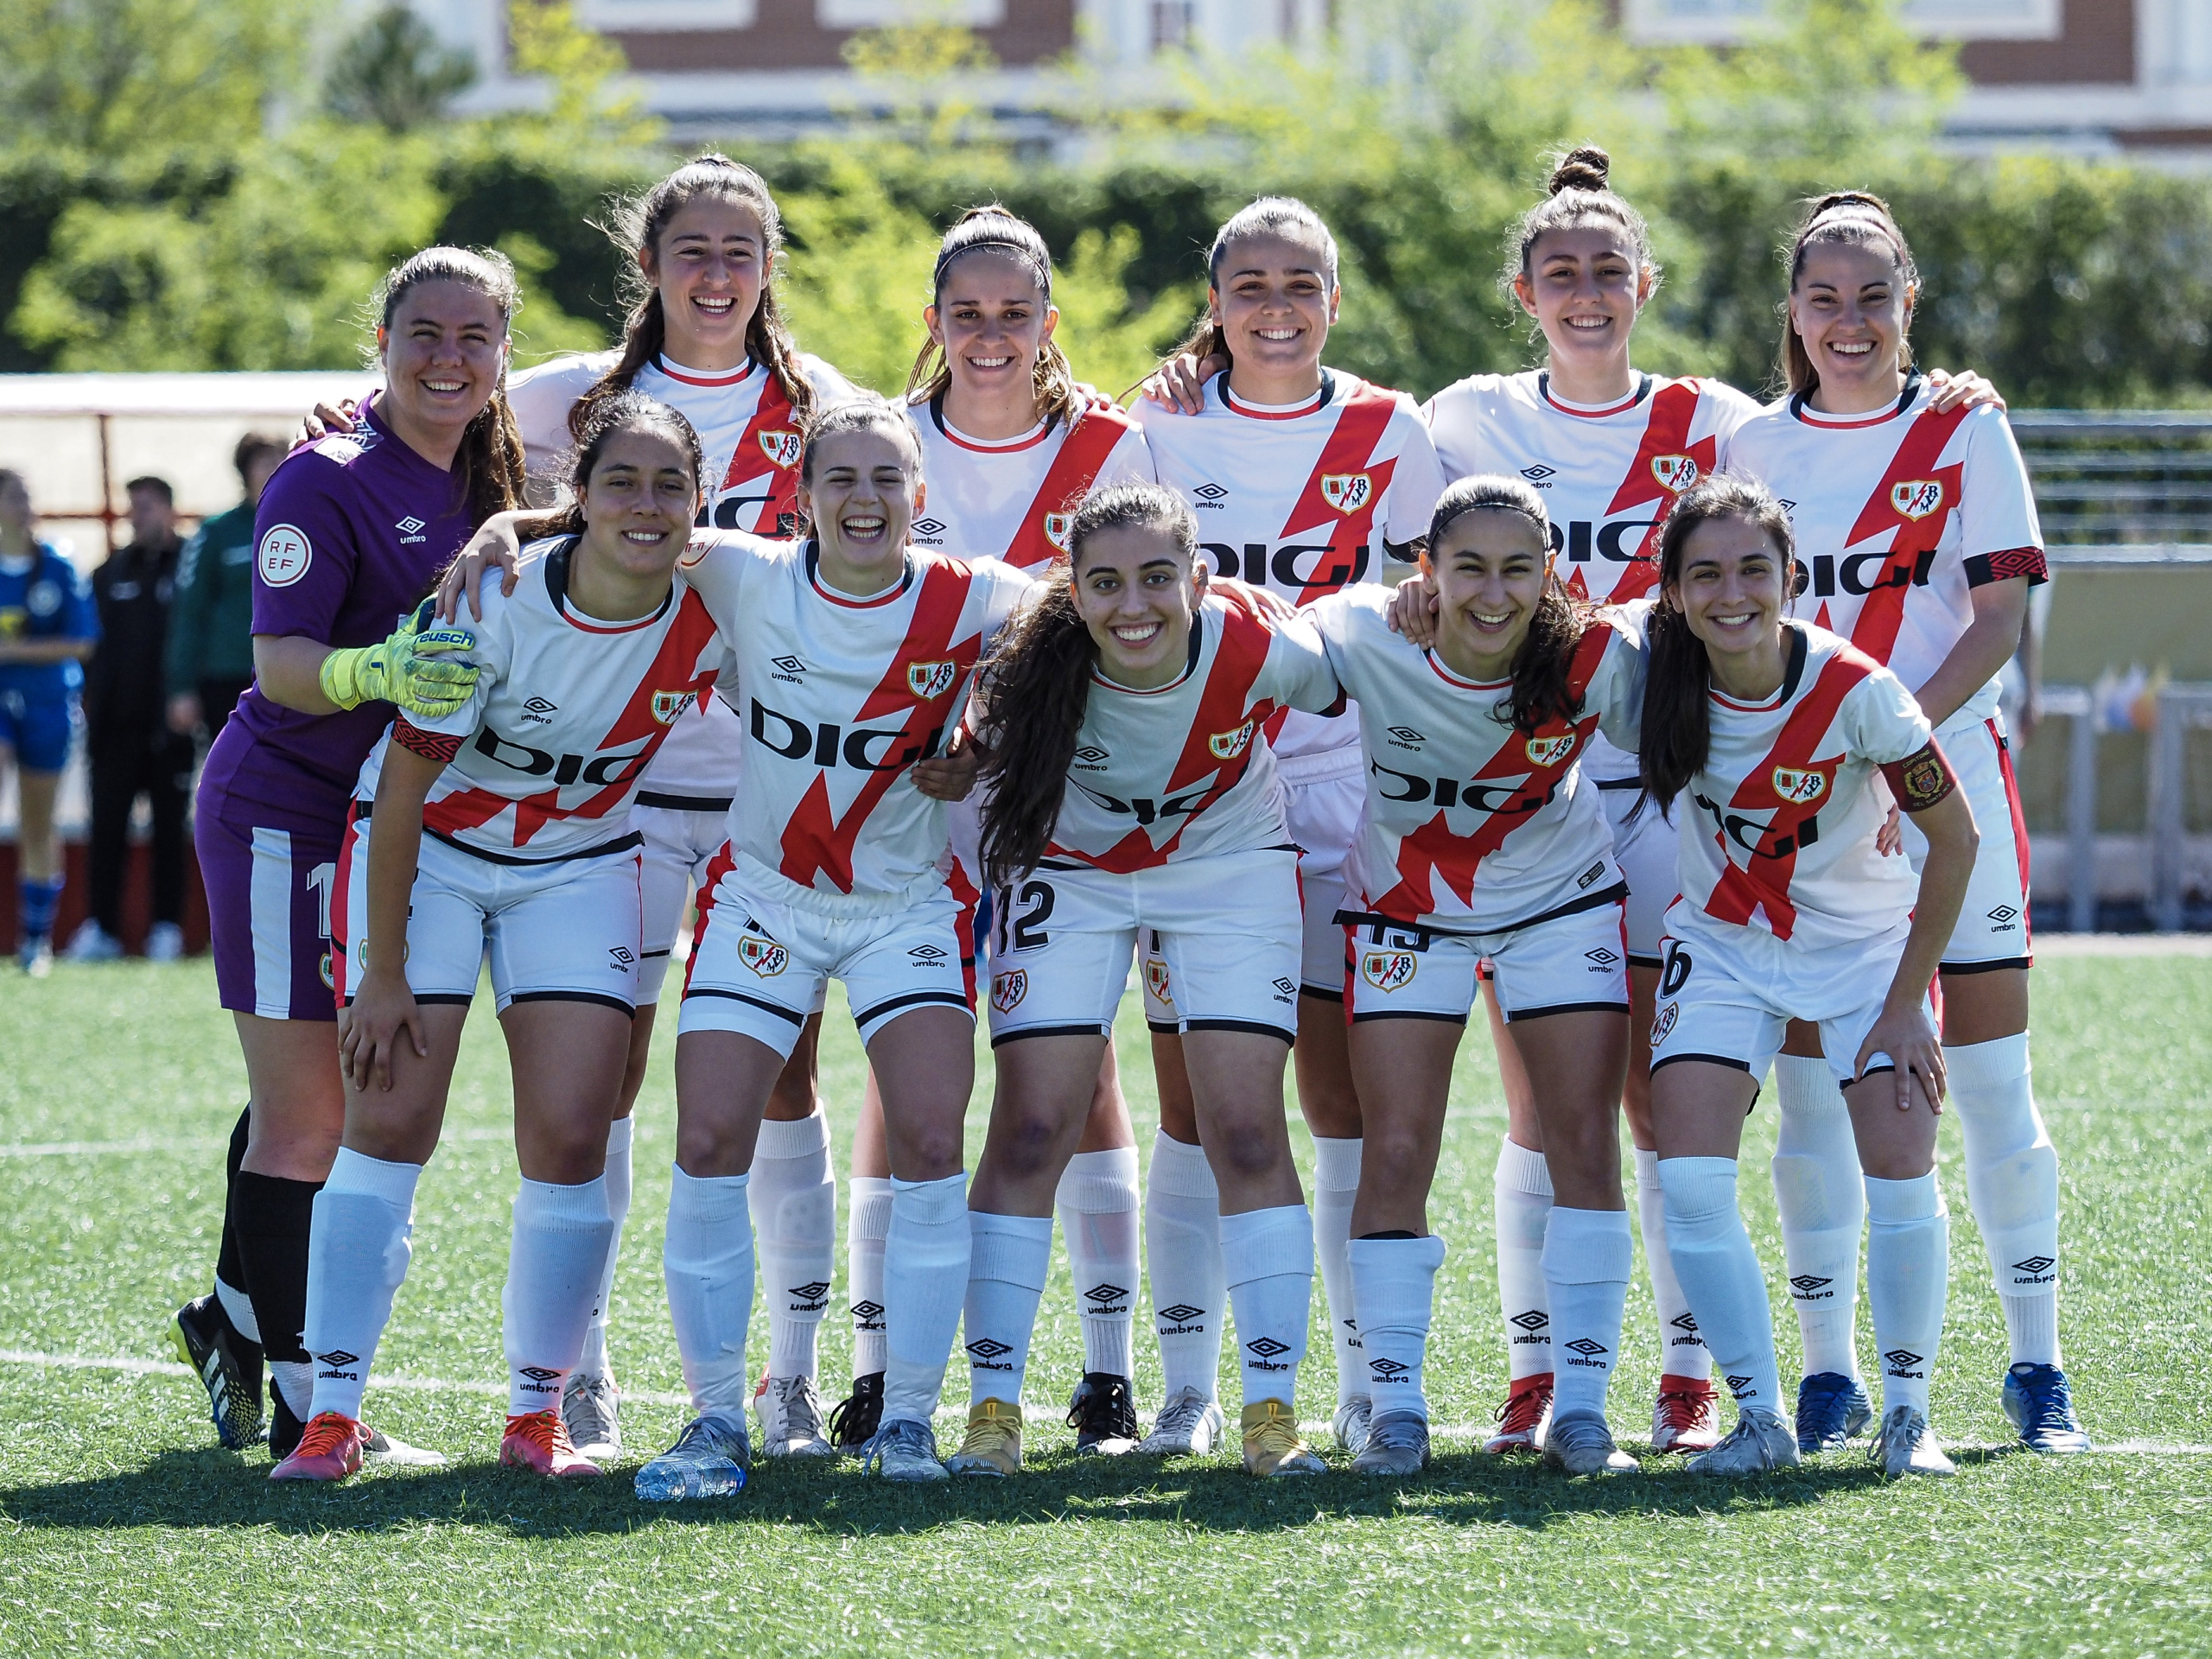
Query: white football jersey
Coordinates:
[1470,826]
[1300,500]
[1185,769]
[1608,474]
[1014,498]
[1777,828]
[1899,516]
[543,761]
[841,696]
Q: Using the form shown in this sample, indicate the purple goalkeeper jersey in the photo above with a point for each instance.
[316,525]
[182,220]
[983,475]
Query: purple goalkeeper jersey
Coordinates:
[349,536]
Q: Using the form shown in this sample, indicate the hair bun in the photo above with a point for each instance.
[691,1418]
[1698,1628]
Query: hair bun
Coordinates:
[1583,168]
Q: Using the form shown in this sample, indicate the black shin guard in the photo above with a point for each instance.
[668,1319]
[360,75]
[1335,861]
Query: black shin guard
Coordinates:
[273,1216]
[229,1270]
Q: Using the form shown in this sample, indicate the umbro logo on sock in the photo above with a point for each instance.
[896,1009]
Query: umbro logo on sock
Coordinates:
[2037,1269]
[989,1354]
[1685,1320]
[338,1357]
[1899,1360]
[1387,1370]
[1263,1350]
[1587,1351]
[337,1360]
[1103,1294]
[1181,1317]
[1810,1288]
[540,1380]
[870,1315]
[1737,1385]
[808,1297]
[1531,1322]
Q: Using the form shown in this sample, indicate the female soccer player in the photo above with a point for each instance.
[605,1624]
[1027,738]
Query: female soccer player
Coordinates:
[503,828]
[1917,541]
[1131,789]
[1303,479]
[47,627]
[1481,844]
[1765,735]
[349,533]
[1011,446]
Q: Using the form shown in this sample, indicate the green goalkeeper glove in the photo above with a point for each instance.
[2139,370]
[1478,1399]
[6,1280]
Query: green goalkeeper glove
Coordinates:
[411,669]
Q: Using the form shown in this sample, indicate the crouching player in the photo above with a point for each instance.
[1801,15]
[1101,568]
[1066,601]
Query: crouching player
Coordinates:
[525,793]
[1480,840]
[1131,787]
[1774,730]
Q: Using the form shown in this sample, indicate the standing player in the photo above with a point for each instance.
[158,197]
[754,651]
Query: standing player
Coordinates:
[1303,479]
[47,627]
[1132,791]
[502,828]
[1766,735]
[1481,843]
[1918,541]
[1011,446]
[349,533]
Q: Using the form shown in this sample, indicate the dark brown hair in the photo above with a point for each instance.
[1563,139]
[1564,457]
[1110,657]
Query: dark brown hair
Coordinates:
[994,230]
[626,411]
[1854,218]
[1037,682]
[637,224]
[866,413]
[1677,719]
[253,444]
[1580,194]
[1546,659]
[1281,216]
[491,455]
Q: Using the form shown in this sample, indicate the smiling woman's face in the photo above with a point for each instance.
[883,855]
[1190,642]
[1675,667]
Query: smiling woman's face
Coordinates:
[444,352]
[1136,591]
[1731,588]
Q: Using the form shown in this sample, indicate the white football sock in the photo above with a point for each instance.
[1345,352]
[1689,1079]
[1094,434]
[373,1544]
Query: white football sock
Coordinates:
[1683,1352]
[1012,1258]
[1823,1205]
[794,1199]
[1714,1260]
[925,1258]
[706,1260]
[562,1236]
[359,1244]
[1097,1202]
[238,1308]
[620,1135]
[1522,1194]
[1394,1288]
[1182,1242]
[1908,1272]
[865,1227]
[1268,1258]
[1588,1255]
[2011,1185]
[1335,1184]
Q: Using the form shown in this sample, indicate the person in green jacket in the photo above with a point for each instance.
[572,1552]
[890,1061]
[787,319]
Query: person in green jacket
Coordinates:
[210,660]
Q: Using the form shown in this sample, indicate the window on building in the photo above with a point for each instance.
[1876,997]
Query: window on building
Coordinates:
[1729,20]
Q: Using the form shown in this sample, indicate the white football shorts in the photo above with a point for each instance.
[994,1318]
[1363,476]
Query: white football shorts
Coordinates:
[680,842]
[1992,925]
[1322,795]
[1574,961]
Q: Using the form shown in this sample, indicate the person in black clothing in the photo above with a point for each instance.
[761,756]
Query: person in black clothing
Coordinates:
[132,749]
[211,620]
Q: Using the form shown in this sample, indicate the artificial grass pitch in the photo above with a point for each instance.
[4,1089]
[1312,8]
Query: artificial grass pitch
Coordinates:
[122,1526]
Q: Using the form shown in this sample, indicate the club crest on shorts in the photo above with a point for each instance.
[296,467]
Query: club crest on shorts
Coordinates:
[1227,745]
[1550,751]
[1664,1023]
[1798,785]
[1155,980]
[781,447]
[1389,970]
[764,956]
[1675,473]
[1347,491]
[1917,498]
[667,705]
[931,680]
[1057,526]
[1008,988]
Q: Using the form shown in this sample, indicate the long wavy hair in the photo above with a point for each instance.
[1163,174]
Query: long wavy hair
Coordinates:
[491,455]
[1541,666]
[626,411]
[1853,217]
[993,229]
[1037,682]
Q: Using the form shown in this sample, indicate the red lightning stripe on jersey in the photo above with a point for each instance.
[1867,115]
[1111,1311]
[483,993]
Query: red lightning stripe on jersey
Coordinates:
[1742,890]
[816,840]
[1882,613]
[1674,410]
[1435,849]
[1082,452]
[752,460]
[1365,417]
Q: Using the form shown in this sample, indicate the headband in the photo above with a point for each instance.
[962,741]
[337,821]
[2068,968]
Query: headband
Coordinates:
[1007,243]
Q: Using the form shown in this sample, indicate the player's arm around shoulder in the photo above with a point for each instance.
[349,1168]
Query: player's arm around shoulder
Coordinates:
[1616,691]
[1298,671]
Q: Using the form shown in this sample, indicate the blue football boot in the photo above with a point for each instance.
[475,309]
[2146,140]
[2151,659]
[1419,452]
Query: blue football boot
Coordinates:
[1831,1409]
[2041,1405]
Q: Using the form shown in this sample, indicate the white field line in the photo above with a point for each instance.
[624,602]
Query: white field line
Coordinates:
[117,1148]
[2123,944]
[137,1366]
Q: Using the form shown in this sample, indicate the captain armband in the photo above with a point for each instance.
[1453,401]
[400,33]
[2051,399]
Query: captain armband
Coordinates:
[1921,779]
[1982,569]
[431,746]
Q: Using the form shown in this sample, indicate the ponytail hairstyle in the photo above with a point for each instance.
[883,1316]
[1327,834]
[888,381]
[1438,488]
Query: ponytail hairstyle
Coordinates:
[1579,195]
[993,229]
[491,455]
[1539,671]
[1281,216]
[625,411]
[1851,217]
[1677,719]
[1037,682]
[637,223]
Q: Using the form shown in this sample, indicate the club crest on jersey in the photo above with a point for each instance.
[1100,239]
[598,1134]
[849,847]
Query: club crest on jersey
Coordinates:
[930,680]
[1675,473]
[781,447]
[1227,745]
[1798,786]
[1917,498]
[1057,526]
[1389,970]
[1155,980]
[764,956]
[667,705]
[1345,492]
[1550,751]
[1008,988]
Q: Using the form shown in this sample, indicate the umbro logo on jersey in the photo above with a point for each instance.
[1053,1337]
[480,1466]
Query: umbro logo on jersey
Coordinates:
[1601,957]
[1550,751]
[1810,1288]
[929,681]
[1535,1320]
[1917,498]
[928,531]
[928,954]
[1798,785]
[1346,493]
[1057,526]
[410,529]
[539,711]
[1537,473]
[1210,495]
[786,668]
[1664,1023]
[1407,735]
[1227,745]
[1389,970]
[1008,988]
[1104,1293]
[781,447]
[1675,473]
[667,705]
[764,956]
[1090,758]
[1155,980]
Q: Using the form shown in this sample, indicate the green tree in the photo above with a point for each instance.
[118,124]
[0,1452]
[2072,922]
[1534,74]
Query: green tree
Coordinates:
[394,70]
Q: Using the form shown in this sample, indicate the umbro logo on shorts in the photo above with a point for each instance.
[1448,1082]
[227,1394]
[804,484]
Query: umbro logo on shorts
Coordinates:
[2004,916]
[1601,956]
[1810,1288]
[1180,1312]
[1284,989]
[622,955]
[926,953]
[1535,1320]
[1263,1350]
[1103,1292]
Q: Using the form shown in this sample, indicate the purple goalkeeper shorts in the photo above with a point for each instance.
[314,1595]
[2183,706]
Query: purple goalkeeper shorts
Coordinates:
[269,910]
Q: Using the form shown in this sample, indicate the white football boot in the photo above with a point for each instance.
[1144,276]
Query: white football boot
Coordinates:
[1906,1446]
